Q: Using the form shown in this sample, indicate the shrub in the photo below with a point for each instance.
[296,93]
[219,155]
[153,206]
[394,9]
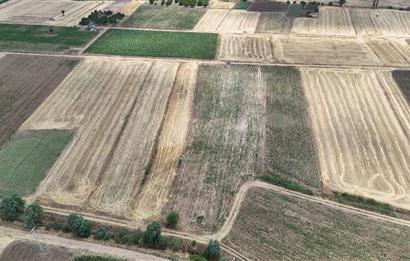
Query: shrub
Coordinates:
[172,219]
[169,2]
[121,237]
[175,243]
[365,203]
[152,235]
[55,225]
[342,2]
[162,2]
[102,234]
[205,3]
[151,2]
[198,3]
[288,2]
[33,216]
[135,237]
[82,228]
[102,18]
[285,183]
[162,243]
[11,207]
[330,3]
[213,250]
[198,258]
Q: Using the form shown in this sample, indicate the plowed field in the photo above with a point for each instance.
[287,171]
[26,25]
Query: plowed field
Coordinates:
[224,21]
[394,52]
[245,48]
[361,122]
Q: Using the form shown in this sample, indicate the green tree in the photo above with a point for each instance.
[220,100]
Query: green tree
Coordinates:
[205,3]
[11,207]
[33,216]
[213,251]
[172,219]
[102,234]
[82,227]
[153,234]
[162,2]
[135,236]
[162,243]
[342,2]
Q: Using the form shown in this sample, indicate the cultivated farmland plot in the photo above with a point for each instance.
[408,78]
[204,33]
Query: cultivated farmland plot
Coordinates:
[49,12]
[361,122]
[394,52]
[274,22]
[211,20]
[297,229]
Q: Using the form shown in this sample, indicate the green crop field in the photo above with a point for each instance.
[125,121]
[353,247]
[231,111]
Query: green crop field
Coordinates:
[242,5]
[156,44]
[28,38]
[26,157]
[283,227]
[289,139]
[172,17]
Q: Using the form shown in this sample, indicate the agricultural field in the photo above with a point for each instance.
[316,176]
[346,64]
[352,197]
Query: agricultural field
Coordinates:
[274,22]
[26,250]
[127,7]
[26,157]
[116,108]
[289,148]
[394,52]
[25,82]
[361,122]
[322,51]
[224,21]
[48,12]
[267,6]
[35,38]
[403,81]
[167,44]
[332,20]
[172,17]
[245,48]
[283,227]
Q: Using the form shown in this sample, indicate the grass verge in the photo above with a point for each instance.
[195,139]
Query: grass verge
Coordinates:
[287,184]
[47,39]
[364,203]
[26,157]
[173,17]
[156,44]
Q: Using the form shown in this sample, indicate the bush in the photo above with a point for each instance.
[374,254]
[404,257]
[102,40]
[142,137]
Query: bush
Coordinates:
[102,18]
[151,2]
[330,3]
[213,251]
[205,3]
[198,258]
[285,184]
[11,207]
[198,3]
[162,2]
[102,234]
[136,237]
[162,243]
[192,3]
[172,219]
[152,235]
[121,237]
[78,225]
[33,216]
[55,225]
[365,203]
[169,2]
[175,243]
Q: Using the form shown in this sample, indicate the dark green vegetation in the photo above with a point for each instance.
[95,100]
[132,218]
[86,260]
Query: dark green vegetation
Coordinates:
[288,228]
[365,203]
[11,207]
[28,38]
[3,1]
[78,225]
[25,82]
[285,183]
[102,18]
[172,17]
[96,258]
[403,80]
[303,9]
[33,216]
[242,5]
[289,140]
[156,44]
[26,157]
[172,219]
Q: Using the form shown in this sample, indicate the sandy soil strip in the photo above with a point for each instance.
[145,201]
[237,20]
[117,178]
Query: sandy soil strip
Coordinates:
[361,123]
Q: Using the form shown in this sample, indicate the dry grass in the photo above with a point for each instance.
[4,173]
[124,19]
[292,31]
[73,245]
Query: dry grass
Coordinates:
[393,52]
[245,48]
[274,22]
[361,123]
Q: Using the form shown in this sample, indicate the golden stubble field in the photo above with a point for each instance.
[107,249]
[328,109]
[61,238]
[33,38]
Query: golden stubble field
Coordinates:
[361,122]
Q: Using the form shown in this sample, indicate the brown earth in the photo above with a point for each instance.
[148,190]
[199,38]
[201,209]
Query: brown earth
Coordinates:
[25,82]
[361,123]
[26,250]
[267,6]
[274,22]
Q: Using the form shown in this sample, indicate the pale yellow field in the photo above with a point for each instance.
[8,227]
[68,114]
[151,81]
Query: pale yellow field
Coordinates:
[228,21]
[332,20]
[393,52]
[116,109]
[245,48]
[211,20]
[361,123]
[49,12]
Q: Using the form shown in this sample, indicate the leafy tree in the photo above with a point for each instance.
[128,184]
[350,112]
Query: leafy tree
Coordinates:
[199,3]
[162,2]
[11,207]
[121,237]
[152,235]
[342,2]
[33,216]
[151,2]
[213,251]
[172,219]
[136,236]
[82,227]
[205,3]
[102,234]
[162,243]
[169,2]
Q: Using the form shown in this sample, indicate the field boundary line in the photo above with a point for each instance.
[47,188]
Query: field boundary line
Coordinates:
[100,33]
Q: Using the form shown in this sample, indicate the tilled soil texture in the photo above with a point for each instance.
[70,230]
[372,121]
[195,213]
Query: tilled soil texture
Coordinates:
[274,22]
[403,80]
[393,52]
[290,228]
[117,109]
[361,122]
[225,21]
[25,82]
[48,12]
[332,20]
[268,6]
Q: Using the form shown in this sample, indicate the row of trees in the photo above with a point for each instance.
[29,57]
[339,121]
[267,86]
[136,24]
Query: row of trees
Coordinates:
[102,18]
[186,3]
[13,208]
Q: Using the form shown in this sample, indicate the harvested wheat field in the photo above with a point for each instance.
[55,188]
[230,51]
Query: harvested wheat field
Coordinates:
[222,147]
[361,122]
[211,21]
[25,82]
[238,21]
[326,51]
[155,191]
[49,12]
[393,52]
[220,4]
[275,226]
[274,22]
[117,109]
[245,48]
[332,20]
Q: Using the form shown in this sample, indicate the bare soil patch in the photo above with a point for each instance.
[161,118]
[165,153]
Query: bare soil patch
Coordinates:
[268,6]
[25,250]
[25,82]
[361,122]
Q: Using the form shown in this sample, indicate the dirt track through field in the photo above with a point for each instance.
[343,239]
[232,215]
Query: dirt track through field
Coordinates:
[361,123]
